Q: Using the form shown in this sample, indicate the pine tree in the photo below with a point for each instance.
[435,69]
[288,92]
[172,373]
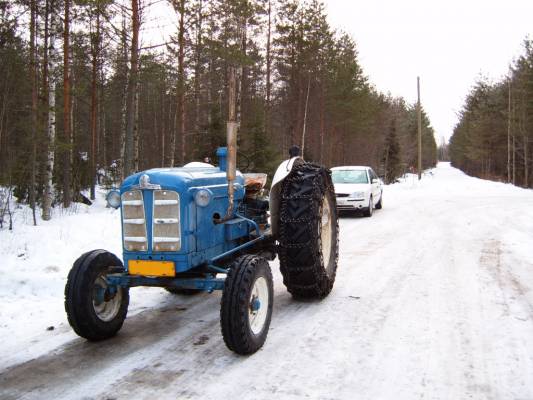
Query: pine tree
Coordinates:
[391,155]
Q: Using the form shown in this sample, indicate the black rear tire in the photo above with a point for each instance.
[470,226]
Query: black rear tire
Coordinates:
[244,329]
[306,194]
[93,311]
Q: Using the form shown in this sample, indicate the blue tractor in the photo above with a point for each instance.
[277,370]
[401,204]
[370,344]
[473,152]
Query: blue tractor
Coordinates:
[205,228]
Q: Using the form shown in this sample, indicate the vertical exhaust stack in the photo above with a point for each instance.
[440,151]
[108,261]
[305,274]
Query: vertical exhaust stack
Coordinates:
[231,172]
[231,138]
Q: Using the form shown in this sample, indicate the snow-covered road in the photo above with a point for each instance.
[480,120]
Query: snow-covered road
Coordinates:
[432,300]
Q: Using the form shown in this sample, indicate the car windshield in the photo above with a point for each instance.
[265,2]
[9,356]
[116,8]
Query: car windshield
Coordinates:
[349,176]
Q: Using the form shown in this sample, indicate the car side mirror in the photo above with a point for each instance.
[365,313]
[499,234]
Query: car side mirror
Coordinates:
[375,180]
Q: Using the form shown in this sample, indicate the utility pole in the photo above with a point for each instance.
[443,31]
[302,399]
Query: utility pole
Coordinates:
[419,112]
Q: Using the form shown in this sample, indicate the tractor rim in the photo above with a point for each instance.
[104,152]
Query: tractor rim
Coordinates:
[105,310]
[258,305]
[326,232]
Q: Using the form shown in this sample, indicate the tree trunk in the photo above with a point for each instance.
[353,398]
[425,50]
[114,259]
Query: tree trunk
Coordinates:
[210,101]
[172,159]
[514,160]
[197,73]
[129,150]
[526,161]
[95,53]
[124,110]
[136,133]
[514,146]
[242,86]
[210,89]
[509,132]
[3,118]
[322,121]
[268,67]
[73,108]
[157,120]
[163,128]
[67,197]
[181,79]
[50,88]
[103,155]
[34,99]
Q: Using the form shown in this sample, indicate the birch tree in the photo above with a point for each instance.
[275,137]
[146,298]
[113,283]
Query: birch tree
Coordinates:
[67,135]
[129,140]
[49,80]
[34,105]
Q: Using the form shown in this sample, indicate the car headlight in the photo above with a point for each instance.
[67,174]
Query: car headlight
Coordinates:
[113,199]
[358,195]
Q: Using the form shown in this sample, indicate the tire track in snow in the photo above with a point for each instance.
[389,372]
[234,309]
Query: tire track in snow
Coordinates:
[82,367]
[312,341]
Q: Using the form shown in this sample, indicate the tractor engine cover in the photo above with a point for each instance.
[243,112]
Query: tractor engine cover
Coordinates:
[170,214]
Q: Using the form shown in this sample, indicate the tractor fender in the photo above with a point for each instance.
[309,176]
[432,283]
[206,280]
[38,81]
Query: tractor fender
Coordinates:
[282,172]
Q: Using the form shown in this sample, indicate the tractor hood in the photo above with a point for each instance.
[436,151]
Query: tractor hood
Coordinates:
[184,232]
[179,179]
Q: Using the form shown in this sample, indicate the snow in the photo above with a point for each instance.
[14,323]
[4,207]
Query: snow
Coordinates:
[432,300]
[35,264]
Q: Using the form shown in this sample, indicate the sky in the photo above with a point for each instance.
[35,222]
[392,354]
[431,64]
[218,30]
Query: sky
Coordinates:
[449,44]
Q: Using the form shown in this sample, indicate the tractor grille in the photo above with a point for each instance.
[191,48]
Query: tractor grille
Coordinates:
[134,222]
[166,221]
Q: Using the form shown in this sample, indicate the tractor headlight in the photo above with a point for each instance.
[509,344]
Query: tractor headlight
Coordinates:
[202,197]
[113,199]
[358,195]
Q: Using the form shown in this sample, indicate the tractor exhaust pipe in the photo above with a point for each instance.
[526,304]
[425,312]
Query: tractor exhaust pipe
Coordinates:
[231,138]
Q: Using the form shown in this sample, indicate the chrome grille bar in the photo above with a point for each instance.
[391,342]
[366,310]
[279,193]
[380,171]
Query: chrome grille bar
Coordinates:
[166,221]
[134,221]
[166,231]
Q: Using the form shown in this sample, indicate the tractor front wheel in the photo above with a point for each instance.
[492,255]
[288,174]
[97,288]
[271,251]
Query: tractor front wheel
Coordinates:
[95,309]
[246,305]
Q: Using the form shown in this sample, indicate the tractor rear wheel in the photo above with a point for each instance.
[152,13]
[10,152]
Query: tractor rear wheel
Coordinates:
[246,305]
[309,232]
[95,309]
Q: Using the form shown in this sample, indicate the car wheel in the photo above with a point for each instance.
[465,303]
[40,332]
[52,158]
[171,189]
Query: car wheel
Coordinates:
[370,210]
[379,204]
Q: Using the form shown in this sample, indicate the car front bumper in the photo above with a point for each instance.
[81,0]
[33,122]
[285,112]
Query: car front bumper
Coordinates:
[350,204]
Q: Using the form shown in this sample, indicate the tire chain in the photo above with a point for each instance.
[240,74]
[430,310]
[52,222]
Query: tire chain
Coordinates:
[290,269]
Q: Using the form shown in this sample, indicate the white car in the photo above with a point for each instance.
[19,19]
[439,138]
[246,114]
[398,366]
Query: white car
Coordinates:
[357,188]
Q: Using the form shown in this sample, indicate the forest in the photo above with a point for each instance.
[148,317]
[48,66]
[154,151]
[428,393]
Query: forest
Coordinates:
[84,102]
[493,139]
